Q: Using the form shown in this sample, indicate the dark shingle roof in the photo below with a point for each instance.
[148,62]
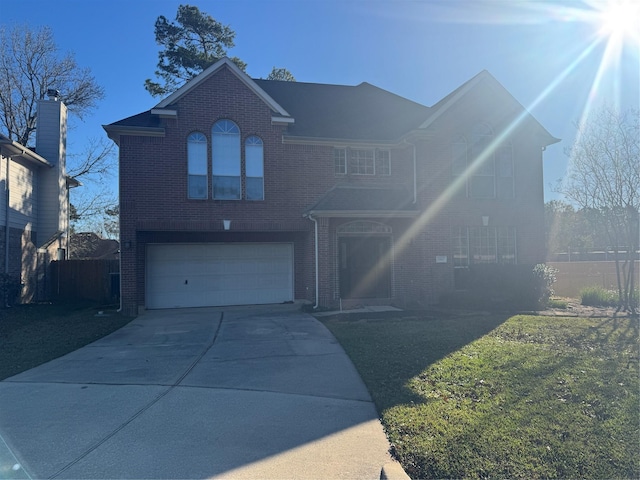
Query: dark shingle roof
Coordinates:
[144,119]
[348,198]
[363,112]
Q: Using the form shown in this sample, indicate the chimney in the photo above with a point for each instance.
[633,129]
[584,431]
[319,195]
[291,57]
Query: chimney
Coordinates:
[51,143]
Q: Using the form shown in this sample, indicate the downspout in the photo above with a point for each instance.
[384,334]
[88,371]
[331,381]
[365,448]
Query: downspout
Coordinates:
[6,218]
[315,223]
[415,175]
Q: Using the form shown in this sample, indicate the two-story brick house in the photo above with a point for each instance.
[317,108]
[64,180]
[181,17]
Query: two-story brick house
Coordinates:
[242,191]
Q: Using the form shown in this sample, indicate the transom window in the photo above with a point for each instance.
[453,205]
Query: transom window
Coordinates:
[254,168]
[197,165]
[226,160]
[476,245]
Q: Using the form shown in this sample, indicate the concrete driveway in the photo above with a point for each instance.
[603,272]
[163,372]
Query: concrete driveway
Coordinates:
[228,393]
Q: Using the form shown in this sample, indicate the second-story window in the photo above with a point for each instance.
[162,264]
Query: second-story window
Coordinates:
[504,170]
[340,161]
[361,162]
[197,165]
[482,182]
[383,162]
[254,166]
[226,160]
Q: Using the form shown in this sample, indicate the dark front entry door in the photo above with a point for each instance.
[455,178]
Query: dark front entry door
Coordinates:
[365,267]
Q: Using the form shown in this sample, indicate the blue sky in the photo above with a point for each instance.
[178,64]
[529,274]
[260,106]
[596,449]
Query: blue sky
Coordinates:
[421,50]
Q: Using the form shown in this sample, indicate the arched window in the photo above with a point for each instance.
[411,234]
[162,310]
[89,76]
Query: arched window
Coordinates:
[226,160]
[254,168]
[197,165]
[482,183]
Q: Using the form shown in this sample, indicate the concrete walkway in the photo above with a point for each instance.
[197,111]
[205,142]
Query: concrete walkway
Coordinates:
[227,393]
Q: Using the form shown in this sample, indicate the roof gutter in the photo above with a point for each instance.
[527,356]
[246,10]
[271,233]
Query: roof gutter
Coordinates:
[363,213]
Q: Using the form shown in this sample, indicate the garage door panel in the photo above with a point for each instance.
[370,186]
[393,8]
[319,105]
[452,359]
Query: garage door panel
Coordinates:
[196,275]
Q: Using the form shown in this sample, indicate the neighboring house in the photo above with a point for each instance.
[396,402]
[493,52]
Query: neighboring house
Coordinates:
[242,191]
[34,206]
[90,246]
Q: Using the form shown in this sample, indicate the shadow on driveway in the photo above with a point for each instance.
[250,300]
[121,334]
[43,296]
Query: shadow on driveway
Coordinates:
[242,392]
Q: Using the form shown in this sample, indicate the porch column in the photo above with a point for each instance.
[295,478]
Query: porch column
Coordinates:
[325,284]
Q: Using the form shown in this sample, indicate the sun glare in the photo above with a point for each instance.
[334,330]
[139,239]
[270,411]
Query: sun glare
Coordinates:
[620,18]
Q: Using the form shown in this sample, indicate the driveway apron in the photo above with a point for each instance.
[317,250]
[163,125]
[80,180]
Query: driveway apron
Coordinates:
[253,392]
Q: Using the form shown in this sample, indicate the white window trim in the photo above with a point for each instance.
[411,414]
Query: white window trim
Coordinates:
[206,160]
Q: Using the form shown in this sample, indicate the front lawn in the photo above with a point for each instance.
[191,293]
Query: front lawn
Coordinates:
[497,397]
[34,334]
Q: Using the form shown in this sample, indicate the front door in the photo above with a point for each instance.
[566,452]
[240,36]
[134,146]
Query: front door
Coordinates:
[365,267]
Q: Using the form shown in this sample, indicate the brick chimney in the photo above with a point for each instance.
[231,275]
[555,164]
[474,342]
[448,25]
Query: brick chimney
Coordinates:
[51,143]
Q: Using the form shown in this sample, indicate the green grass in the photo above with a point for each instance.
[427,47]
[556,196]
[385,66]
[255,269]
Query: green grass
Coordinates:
[555,302]
[34,334]
[497,397]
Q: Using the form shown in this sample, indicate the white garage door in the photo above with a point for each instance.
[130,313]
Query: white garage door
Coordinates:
[203,275]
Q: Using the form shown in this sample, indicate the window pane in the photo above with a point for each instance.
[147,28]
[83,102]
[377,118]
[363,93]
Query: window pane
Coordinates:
[254,157]
[459,154]
[361,162]
[383,162]
[197,165]
[197,186]
[226,155]
[340,161]
[255,188]
[226,160]
[506,245]
[482,184]
[504,167]
[482,244]
[197,157]
[460,247]
[226,187]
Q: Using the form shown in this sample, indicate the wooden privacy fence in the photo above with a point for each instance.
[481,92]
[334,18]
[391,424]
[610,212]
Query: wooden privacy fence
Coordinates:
[86,280]
[574,276]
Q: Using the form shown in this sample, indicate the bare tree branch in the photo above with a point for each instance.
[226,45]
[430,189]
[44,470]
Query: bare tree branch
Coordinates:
[30,64]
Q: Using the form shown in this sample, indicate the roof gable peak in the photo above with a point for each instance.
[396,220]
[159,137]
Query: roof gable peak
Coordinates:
[224,62]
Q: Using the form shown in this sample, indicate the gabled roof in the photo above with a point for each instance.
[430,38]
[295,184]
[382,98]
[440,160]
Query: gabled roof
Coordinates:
[220,64]
[363,113]
[322,113]
[362,201]
[455,96]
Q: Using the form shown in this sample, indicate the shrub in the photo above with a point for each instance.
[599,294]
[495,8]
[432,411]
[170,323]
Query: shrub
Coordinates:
[598,297]
[510,287]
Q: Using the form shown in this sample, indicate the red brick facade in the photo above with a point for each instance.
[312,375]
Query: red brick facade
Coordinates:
[155,207]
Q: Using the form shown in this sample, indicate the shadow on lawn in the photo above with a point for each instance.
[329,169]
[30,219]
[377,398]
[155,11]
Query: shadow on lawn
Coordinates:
[390,348]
